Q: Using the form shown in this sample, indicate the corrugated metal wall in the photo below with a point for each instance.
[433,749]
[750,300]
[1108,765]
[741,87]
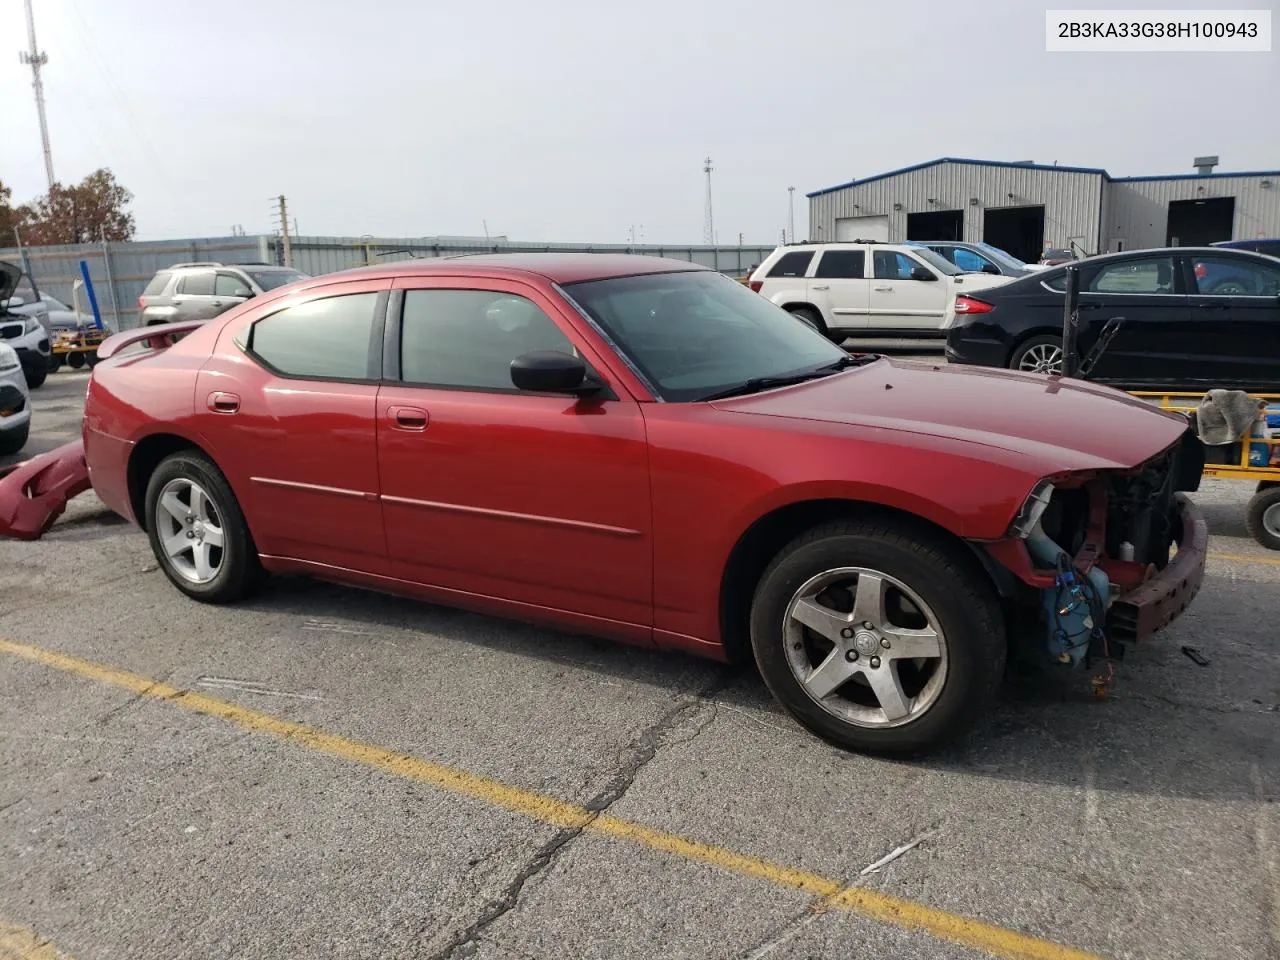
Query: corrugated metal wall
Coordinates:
[1072,200]
[131,265]
[1139,209]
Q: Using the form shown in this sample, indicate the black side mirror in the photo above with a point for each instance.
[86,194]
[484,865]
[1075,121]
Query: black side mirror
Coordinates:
[551,371]
[923,273]
[991,268]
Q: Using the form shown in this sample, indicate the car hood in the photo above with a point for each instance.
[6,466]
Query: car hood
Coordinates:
[10,274]
[1054,424]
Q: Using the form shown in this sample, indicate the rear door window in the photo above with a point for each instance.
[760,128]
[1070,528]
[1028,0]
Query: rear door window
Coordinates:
[794,264]
[842,265]
[1149,275]
[325,339]
[198,284]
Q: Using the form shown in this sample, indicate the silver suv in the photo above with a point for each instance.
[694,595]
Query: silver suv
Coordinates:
[201,291]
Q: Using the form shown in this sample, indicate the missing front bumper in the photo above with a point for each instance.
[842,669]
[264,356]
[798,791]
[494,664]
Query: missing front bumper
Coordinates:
[1156,603]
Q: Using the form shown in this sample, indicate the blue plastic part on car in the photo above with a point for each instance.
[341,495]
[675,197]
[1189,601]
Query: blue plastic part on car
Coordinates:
[1068,613]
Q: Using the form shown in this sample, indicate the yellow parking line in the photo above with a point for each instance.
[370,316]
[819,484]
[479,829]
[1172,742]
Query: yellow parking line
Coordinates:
[1245,558]
[997,941]
[22,943]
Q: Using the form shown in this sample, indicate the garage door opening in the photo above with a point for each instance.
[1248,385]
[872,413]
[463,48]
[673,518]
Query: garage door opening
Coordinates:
[936,225]
[1198,223]
[1020,230]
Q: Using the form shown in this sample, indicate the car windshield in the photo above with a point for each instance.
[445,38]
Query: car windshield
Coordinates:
[1003,256]
[937,261]
[270,279]
[698,334]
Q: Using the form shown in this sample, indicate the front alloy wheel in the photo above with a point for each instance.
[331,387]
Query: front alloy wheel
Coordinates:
[865,647]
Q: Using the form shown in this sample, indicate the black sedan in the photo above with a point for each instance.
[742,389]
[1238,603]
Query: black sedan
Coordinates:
[1193,318]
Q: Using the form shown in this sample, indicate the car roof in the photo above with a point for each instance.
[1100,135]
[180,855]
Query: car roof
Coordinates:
[561,268]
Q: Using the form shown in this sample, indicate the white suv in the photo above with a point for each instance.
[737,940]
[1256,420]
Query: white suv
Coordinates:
[15,402]
[866,289]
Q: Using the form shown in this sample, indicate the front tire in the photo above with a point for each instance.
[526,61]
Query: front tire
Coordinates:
[35,374]
[878,637]
[1042,354]
[197,531]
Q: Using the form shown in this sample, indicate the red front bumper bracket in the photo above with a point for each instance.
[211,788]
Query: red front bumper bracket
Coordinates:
[34,493]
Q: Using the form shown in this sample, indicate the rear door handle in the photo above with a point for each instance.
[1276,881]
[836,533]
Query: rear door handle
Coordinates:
[409,418]
[884,289]
[221,402]
[823,287]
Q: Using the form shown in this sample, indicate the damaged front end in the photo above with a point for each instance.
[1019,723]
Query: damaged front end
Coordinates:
[34,493]
[1108,558]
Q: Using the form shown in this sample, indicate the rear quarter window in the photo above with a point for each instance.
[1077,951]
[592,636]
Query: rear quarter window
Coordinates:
[157,284]
[792,264]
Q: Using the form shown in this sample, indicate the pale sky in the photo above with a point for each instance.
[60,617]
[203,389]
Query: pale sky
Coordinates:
[572,120]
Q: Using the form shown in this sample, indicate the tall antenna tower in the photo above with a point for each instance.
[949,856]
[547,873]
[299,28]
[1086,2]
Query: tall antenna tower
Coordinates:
[708,221]
[33,56]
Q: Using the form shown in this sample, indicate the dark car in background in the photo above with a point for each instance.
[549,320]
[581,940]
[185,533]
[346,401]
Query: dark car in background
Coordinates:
[1193,318]
[977,257]
[1269,246]
[202,290]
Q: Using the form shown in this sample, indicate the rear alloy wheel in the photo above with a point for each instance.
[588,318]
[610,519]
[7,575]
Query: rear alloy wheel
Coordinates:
[1038,355]
[1263,517]
[878,638]
[197,532]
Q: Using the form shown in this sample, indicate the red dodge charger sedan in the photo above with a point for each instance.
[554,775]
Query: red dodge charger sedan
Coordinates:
[644,449]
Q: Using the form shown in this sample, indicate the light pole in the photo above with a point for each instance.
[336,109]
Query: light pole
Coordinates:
[791,211]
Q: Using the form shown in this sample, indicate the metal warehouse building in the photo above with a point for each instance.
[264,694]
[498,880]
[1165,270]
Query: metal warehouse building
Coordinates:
[1027,207]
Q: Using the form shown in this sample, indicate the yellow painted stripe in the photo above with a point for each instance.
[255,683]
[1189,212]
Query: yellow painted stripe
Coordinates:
[997,941]
[1245,558]
[22,943]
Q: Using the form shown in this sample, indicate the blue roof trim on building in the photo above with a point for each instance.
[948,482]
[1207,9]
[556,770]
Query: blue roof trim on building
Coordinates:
[1199,176]
[976,163]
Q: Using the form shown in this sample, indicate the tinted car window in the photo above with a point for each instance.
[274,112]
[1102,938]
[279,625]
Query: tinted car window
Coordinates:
[967,260]
[157,283]
[468,338]
[890,265]
[229,285]
[792,264]
[1149,275]
[842,264]
[197,284]
[326,339]
[694,334]
[1227,276]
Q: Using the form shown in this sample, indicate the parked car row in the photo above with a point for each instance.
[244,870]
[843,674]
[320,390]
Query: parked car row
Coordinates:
[867,288]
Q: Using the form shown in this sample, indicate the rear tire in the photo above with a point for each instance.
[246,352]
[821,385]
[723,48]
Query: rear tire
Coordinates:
[1042,354]
[890,702]
[1263,517]
[187,501]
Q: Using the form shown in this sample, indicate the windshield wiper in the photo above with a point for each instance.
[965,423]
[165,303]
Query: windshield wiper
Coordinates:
[756,384]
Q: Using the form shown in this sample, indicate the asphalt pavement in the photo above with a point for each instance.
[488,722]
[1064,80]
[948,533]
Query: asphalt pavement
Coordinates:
[324,772]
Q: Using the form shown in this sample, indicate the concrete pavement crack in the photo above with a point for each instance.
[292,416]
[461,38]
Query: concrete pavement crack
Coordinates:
[637,754]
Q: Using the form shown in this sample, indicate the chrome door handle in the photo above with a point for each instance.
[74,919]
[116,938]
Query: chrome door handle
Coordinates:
[823,287]
[884,289]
